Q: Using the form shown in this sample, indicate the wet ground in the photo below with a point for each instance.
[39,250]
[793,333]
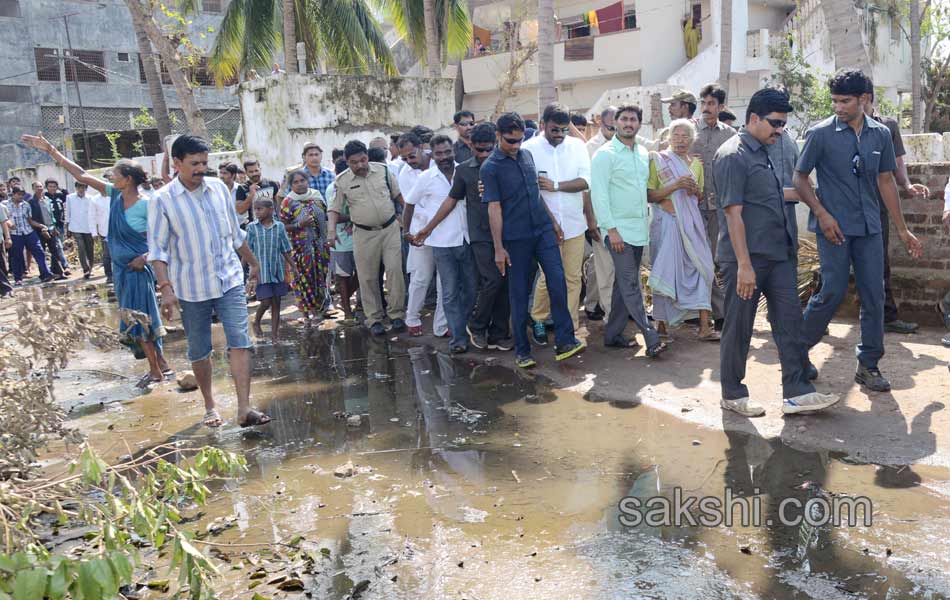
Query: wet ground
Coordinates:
[471,480]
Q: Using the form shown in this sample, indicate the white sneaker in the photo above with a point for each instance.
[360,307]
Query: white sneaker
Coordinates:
[811,402]
[743,407]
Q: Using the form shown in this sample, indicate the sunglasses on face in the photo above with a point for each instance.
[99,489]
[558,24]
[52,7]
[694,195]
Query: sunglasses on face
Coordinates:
[610,127]
[483,149]
[513,141]
[776,123]
[466,123]
[560,129]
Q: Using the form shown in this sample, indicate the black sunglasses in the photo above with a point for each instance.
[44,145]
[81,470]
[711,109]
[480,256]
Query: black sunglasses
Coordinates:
[560,129]
[513,141]
[466,123]
[483,149]
[610,127]
[776,123]
[856,165]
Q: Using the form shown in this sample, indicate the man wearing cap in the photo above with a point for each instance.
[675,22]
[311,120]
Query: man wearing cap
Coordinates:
[682,105]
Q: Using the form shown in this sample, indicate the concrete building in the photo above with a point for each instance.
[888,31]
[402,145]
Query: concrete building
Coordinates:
[632,49]
[102,73]
[281,114]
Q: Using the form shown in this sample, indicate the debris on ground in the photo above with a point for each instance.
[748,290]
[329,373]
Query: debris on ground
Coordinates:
[187,381]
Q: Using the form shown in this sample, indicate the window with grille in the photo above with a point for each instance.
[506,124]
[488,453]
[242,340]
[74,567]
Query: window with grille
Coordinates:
[47,64]
[9,8]
[15,93]
[211,6]
[123,57]
[166,79]
[85,66]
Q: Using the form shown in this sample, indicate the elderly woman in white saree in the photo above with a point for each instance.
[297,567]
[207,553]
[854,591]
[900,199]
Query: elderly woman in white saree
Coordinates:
[682,270]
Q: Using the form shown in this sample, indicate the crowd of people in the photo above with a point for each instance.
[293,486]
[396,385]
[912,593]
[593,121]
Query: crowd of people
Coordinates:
[465,224]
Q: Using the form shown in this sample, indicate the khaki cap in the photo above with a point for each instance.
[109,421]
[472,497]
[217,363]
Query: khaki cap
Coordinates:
[681,96]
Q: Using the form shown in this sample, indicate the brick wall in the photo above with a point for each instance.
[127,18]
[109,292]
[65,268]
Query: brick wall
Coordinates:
[919,284]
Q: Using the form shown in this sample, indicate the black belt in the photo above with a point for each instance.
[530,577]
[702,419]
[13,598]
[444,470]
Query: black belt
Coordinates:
[391,220]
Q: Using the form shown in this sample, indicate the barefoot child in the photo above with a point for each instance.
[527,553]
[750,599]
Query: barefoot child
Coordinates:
[268,241]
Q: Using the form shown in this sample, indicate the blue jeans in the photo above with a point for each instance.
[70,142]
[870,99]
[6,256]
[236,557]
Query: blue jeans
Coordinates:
[231,309]
[30,242]
[866,254]
[525,256]
[456,268]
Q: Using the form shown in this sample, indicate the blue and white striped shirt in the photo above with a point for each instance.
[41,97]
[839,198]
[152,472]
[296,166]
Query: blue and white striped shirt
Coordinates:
[268,245]
[196,234]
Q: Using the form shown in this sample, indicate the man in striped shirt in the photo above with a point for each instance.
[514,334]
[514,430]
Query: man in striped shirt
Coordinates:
[193,234]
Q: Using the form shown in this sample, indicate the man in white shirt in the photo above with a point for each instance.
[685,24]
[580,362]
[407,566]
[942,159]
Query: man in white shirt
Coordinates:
[600,278]
[448,242]
[563,166]
[79,225]
[420,265]
[99,228]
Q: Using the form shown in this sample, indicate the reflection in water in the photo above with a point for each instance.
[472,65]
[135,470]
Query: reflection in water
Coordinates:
[475,481]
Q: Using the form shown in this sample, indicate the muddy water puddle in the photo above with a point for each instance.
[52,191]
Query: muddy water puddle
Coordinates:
[465,480]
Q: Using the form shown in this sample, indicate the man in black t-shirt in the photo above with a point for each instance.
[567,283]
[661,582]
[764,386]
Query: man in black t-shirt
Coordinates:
[488,325]
[256,188]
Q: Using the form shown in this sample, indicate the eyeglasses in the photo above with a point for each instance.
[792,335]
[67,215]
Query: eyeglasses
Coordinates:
[610,127]
[856,165]
[513,141]
[777,123]
[560,129]
[466,123]
[482,149]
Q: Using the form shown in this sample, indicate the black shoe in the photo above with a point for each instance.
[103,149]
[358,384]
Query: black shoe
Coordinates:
[478,339]
[60,277]
[86,275]
[622,342]
[377,329]
[47,279]
[398,325]
[811,371]
[595,315]
[502,345]
[717,324]
[458,349]
[872,379]
[539,334]
[899,326]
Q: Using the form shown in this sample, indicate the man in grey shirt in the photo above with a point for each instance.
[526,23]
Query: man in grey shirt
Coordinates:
[758,255]
[711,133]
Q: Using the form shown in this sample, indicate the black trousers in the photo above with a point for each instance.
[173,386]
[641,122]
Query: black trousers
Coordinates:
[778,280]
[492,308]
[5,287]
[890,306]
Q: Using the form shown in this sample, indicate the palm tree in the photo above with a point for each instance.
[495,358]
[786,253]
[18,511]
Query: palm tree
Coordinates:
[725,45]
[144,15]
[546,92]
[290,35]
[435,30]
[153,78]
[342,33]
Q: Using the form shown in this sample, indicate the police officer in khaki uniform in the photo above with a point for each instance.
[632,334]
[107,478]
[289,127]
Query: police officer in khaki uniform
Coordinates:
[369,191]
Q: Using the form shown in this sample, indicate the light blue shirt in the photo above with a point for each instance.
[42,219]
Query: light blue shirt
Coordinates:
[618,190]
[196,234]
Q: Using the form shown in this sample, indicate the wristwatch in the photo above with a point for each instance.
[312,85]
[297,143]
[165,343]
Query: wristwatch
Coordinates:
[556,186]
